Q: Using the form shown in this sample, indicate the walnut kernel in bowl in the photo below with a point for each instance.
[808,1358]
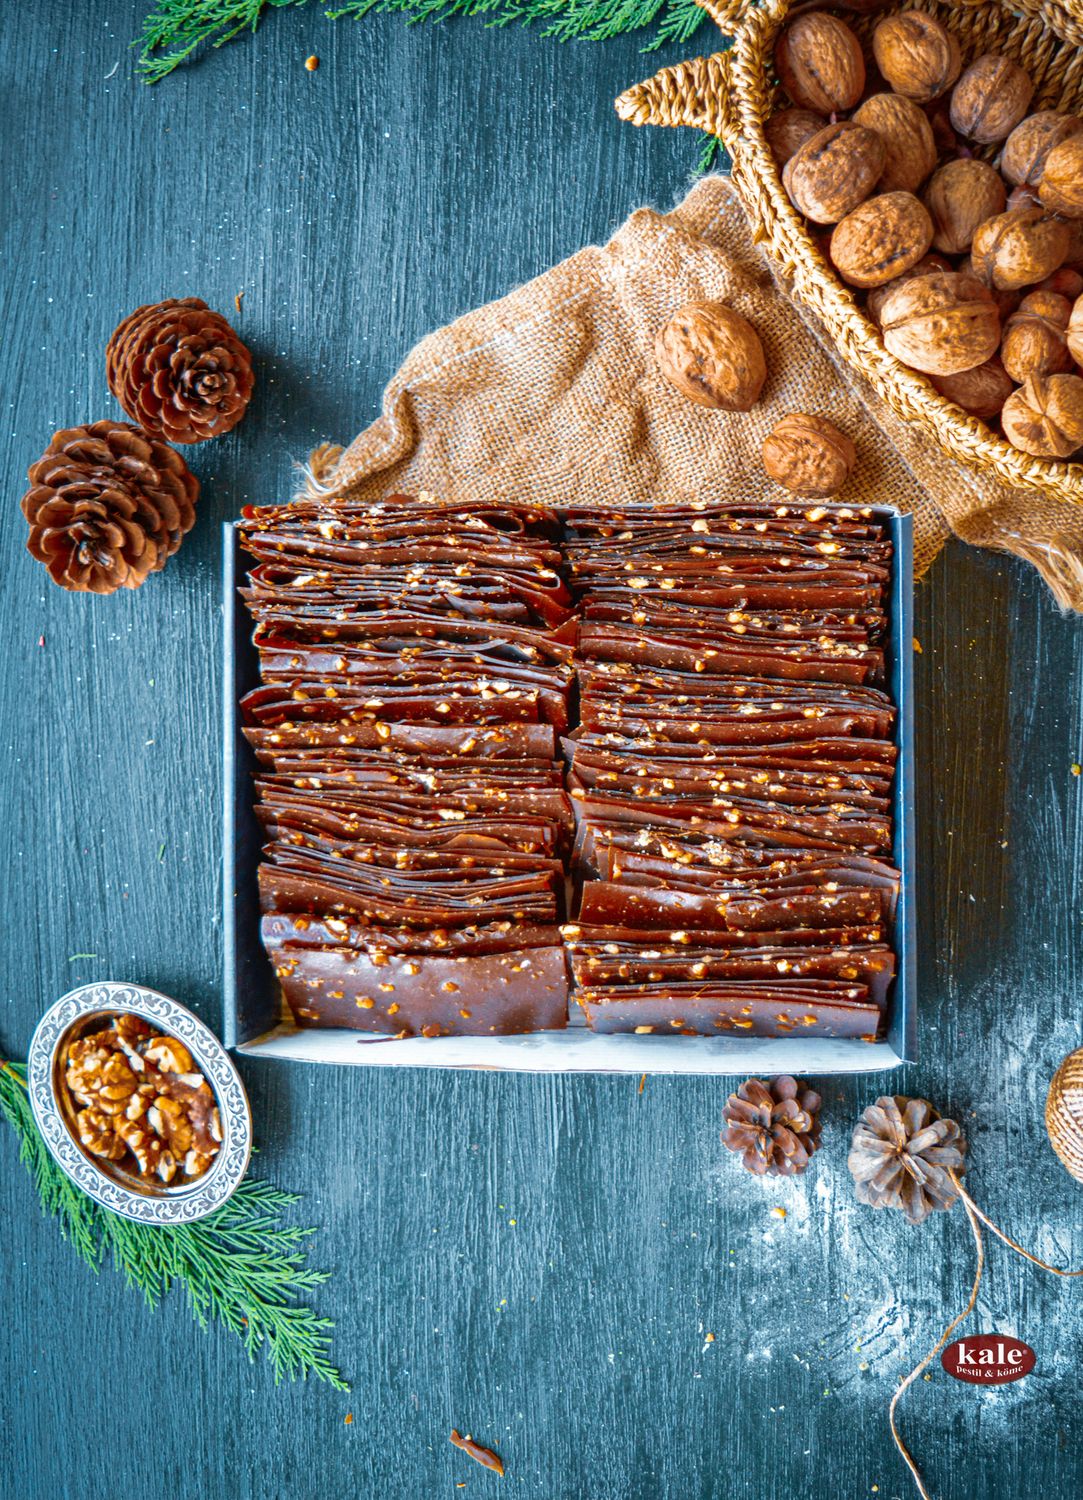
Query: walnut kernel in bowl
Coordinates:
[137,1101]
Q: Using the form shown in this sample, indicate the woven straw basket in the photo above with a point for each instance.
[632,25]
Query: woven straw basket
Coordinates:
[731,95]
[1064,1113]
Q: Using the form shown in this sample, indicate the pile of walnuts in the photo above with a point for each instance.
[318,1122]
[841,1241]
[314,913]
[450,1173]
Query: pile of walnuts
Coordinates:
[141,1103]
[971,268]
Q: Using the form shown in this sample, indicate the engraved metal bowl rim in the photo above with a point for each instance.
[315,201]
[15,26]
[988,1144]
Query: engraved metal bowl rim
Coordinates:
[150,1205]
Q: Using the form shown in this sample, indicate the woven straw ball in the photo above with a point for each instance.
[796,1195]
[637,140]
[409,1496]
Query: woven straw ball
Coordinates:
[1064,1113]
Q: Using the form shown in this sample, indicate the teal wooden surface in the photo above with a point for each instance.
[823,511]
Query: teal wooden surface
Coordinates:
[535,1260]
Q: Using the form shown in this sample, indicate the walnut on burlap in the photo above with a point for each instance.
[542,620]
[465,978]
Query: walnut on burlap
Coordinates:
[552,395]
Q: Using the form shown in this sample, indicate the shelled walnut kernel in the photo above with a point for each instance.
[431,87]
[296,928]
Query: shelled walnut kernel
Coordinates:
[142,1102]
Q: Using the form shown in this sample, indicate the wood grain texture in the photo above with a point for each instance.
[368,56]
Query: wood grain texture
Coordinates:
[536,1261]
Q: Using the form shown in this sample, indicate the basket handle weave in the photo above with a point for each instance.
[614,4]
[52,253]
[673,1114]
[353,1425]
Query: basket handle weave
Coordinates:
[695,93]
[699,92]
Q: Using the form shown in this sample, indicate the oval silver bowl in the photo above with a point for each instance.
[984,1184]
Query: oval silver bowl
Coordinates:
[90,1007]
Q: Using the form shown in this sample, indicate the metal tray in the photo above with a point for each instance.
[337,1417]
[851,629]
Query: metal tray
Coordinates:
[256,1021]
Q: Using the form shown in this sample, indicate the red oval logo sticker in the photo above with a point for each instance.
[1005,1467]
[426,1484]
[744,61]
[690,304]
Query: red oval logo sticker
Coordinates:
[988,1359]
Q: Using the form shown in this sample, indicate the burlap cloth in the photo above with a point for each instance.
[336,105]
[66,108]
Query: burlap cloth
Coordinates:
[551,394]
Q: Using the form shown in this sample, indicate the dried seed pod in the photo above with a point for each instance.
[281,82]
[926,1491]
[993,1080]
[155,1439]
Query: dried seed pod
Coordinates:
[880,239]
[834,171]
[1064,282]
[808,455]
[941,324]
[960,195]
[928,265]
[904,1156]
[108,504]
[1045,417]
[1035,337]
[910,151]
[991,98]
[179,370]
[788,131]
[819,63]
[712,355]
[773,1124]
[1025,151]
[1061,185]
[981,391]
[917,55]
[1075,331]
[1018,248]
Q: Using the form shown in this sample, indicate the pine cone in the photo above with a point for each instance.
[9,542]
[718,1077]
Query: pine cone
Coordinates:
[179,370]
[107,505]
[901,1154]
[775,1126]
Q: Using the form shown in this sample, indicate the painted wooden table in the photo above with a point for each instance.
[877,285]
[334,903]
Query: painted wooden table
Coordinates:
[538,1261]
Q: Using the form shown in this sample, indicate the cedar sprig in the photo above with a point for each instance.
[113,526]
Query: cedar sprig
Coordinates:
[176,29]
[241,1266]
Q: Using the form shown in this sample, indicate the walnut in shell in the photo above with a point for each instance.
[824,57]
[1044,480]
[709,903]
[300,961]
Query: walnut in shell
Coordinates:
[788,131]
[909,148]
[917,55]
[712,355]
[1065,282]
[808,455]
[1035,338]
[881,239]
[1018,248]
[991,98]
[1025,151]
[928,265]
[834,171]
[939,117]
[1006,301]
[1075,331]
[981,391]
[1061,185]
[819,63]
[1045,417]
[941,324]
[1024,196]
[960,195]
[1073,256]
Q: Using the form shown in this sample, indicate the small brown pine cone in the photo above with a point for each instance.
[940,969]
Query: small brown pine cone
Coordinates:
[107,505]
[179,370]
[902,1154]
[775,1126]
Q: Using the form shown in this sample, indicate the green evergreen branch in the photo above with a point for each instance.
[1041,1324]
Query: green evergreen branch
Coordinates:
[240,1266]
[176,29]
[182,26]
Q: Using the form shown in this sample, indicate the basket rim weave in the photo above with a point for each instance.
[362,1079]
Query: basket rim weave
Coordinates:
[730,95]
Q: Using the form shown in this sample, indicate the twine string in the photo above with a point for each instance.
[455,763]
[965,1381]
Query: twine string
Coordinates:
[935,1350]
[971,1206]
[976,1217]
